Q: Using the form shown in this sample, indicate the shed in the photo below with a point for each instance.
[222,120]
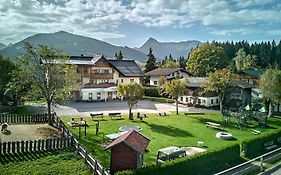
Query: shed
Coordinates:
[127,151]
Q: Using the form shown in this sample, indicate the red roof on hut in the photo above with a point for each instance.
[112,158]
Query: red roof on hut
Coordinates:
[132,139]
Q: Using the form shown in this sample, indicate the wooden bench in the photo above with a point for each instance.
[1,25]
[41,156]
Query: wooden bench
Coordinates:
[115,115]
[213,125]
[97,115]
[256,132]
[269,145]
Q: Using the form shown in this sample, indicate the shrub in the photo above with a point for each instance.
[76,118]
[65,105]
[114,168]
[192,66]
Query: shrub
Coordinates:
[212,161]
[255,147]
[151,91]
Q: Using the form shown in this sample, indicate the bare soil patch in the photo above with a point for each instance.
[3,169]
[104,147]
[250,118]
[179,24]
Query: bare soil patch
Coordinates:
[29,132]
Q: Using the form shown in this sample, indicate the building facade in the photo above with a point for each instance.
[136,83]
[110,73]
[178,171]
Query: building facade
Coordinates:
[168,73]
[100,77]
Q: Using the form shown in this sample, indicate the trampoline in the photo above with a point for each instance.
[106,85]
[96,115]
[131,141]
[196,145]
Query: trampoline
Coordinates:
[129,128]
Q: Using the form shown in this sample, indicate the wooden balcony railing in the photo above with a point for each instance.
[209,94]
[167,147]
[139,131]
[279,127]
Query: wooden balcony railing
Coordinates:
[101,85]
[101,76]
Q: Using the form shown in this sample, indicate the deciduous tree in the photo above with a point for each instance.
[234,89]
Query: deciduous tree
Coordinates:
[270,85]
[49,75]
[132,92]
[174,89]
[218,81]
[205,59]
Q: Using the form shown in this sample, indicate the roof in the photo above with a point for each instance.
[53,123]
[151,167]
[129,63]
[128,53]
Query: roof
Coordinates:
[83,60]
[196,81]
[132,139]
[253,72]
[242,84]
[128,68]
[164,72]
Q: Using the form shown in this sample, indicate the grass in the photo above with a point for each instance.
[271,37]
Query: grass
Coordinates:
[55,162]
[159,99]
[22,110]
[167,131]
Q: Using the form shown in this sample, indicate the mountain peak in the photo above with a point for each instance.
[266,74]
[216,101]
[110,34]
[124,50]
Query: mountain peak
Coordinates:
[151,40]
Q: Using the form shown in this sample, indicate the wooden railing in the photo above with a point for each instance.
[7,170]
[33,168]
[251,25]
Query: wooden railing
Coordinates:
[68,140]
[101,75]
[96,167]
[101,85]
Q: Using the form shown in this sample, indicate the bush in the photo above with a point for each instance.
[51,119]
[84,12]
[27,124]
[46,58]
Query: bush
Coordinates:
[151,91]
[212,161]
[160,99]
[255,147]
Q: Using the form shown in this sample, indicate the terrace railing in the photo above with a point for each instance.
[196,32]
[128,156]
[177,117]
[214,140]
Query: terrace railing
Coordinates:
[255,165]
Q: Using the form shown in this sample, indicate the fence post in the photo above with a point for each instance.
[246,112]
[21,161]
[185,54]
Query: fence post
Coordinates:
[261,164]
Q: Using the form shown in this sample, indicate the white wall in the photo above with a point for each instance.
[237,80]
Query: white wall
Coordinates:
[205,101]
[152,79]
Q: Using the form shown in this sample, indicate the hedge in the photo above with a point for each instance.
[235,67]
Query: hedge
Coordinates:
[151,91]
[255,147]
[160,99]
[205,163]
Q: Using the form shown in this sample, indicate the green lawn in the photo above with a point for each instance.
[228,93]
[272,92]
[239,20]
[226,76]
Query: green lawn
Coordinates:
[55,162]
[167,131]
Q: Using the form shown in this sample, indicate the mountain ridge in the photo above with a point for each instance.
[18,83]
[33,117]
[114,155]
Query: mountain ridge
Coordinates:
[162,49]
[72,44]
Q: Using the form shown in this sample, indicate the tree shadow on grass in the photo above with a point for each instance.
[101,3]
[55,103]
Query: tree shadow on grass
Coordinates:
[170,130]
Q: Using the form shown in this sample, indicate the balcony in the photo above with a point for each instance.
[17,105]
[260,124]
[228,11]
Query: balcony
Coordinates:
[101,85]
[101,76]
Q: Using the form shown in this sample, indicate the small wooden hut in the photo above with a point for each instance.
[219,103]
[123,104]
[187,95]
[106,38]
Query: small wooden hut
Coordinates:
[127,151]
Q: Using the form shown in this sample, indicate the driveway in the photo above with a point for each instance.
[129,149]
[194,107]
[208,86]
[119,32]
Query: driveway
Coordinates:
[144,106]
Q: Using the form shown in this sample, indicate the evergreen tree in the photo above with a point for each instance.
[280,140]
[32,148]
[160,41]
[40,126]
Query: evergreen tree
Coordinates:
[150,62]
[119,56]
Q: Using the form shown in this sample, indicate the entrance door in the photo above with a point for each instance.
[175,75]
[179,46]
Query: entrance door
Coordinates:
[109,95]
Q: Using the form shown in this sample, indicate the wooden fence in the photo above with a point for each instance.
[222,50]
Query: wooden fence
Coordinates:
[96,167]
[68,140]
[32,118]
[35,145]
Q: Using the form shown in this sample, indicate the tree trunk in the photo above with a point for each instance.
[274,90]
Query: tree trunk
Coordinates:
[131,117]
[50,121]
[177,106]
[270,110]
[221,97]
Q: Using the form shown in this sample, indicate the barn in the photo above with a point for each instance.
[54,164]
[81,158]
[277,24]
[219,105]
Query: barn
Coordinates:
[127,151]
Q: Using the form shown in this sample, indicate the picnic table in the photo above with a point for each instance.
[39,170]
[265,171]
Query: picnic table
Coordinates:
[115,114]
[96,115]
[213,125]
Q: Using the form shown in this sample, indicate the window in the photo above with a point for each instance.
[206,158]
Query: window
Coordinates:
[106,71]
[155,82]
[181,98]
[132,80]
[186,99]
[121,80]
[98,96]
[116,81]
[199,101]
[212,101]
[203,101]
[85,71]
[90,96]
[217,101]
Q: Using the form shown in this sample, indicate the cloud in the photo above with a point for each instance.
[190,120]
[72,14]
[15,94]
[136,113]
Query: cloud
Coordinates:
[102,18]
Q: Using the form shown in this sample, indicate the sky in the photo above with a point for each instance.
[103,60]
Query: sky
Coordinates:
[132,22]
